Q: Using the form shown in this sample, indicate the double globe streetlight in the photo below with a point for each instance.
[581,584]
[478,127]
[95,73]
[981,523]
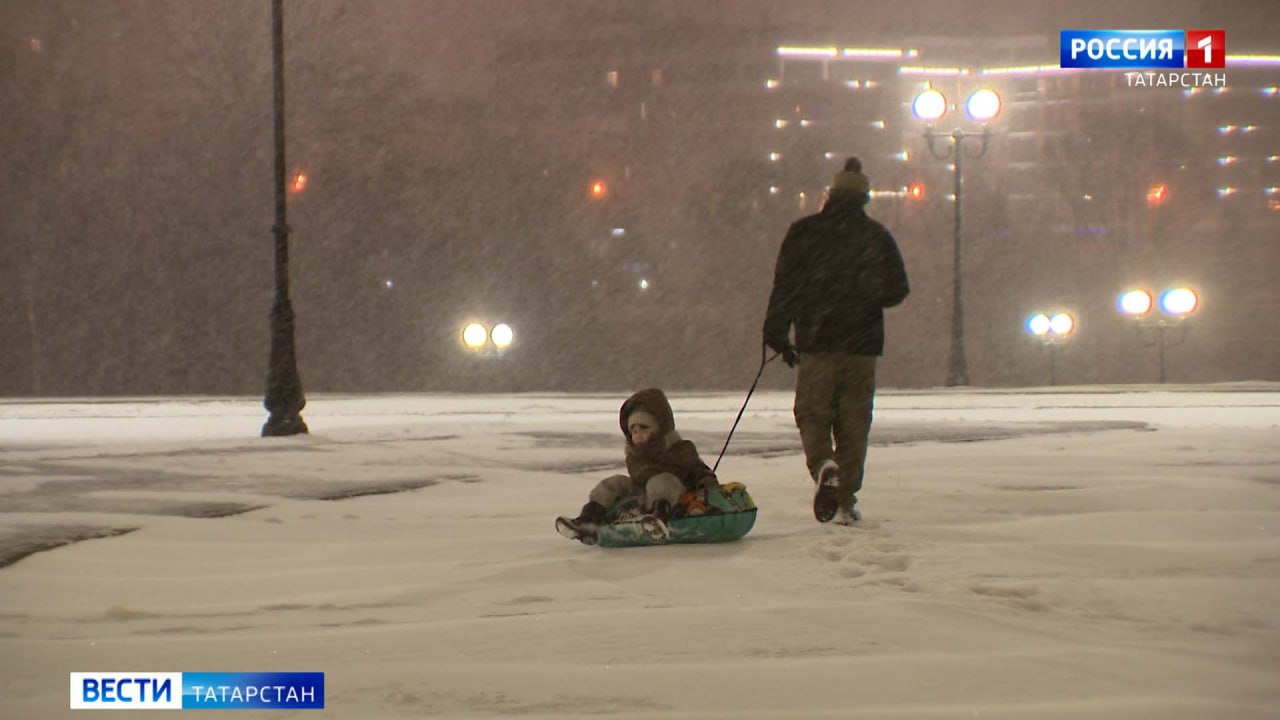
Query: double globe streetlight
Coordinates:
[981,106]
[1052,330]
[1176,305]
[478,338]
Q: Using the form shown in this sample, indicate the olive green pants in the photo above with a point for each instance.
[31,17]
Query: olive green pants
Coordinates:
[834,397]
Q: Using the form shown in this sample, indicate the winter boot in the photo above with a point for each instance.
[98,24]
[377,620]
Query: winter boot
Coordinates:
[849,516]
[656,529]
[583,528]
[825,504]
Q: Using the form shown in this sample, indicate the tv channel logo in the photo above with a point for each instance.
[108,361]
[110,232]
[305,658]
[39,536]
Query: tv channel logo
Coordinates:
[196,691]
[1143,49]
[1206,48]
[126,691]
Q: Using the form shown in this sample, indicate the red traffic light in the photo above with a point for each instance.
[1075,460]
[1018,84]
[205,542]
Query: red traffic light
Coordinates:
[1157,194]
[598,189]
[915,191]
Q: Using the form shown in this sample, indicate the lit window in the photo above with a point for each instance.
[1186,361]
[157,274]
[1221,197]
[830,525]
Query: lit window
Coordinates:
[611,78]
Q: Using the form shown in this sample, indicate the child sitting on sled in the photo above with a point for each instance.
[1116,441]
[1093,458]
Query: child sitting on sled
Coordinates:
[661,466]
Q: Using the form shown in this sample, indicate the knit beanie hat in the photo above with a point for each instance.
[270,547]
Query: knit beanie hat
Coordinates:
[851,180]
[642,416]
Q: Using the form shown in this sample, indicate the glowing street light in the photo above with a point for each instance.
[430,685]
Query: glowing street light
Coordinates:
[982,106]
[1179,302]
[1039,325]
[486,341]
[929,105]
[502,336]
[1176,305]
[1135,303]
[474,336]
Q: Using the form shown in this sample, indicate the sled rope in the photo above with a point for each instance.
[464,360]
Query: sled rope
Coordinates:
[763,362]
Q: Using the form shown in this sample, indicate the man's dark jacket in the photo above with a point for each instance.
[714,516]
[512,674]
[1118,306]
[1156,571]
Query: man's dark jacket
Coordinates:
[837,271]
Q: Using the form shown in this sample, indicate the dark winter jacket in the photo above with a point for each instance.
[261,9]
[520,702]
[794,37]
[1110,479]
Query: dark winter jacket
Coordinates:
[670,453]
[836,273]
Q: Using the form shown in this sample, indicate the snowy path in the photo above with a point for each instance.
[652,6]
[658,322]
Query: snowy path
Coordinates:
[1066,554]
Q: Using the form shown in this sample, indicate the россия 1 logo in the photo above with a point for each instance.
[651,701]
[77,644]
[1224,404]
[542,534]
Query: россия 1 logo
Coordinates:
[1143,49]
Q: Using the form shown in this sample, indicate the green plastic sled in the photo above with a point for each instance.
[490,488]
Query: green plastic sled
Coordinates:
[722,515]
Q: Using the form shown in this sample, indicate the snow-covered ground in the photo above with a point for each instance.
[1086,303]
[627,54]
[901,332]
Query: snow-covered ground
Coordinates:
[1068,553]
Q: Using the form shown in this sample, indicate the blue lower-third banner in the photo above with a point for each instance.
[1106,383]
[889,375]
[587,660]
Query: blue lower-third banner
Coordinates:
[197,691]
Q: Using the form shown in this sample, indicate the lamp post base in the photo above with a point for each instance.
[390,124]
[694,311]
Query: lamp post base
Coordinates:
[283,425]
[284,400]
[957,366]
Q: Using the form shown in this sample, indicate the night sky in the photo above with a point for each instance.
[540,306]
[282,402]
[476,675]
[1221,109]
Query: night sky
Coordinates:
[137,199]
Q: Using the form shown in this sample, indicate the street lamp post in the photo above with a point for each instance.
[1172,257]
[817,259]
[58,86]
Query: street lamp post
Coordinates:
[982,105]
[1177,305]
[284,397]
[1052,331]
